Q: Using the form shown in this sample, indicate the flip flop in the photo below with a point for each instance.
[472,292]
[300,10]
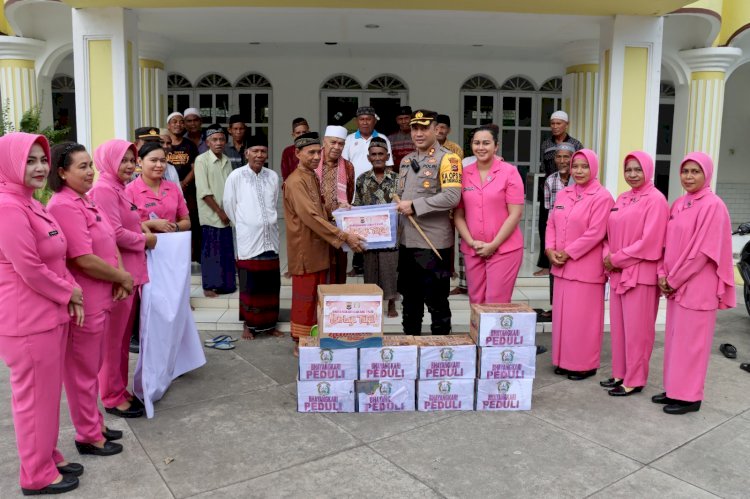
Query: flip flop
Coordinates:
[745,367]
[729,350]
[221,345]
[217,339]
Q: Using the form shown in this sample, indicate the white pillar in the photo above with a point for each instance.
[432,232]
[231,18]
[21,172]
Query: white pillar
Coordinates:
[630,62]
[18,85]
[580,90]
[153,52]
[105,53]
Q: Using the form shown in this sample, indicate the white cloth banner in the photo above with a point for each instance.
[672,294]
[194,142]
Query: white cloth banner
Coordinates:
[170,344]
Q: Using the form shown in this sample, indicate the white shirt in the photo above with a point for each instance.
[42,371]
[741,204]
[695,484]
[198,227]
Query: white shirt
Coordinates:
[250,203]
[355,150]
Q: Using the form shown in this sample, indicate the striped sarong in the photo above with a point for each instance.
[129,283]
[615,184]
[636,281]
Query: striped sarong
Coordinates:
[260,283]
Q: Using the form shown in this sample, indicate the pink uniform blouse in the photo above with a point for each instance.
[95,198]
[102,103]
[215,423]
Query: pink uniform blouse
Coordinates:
[126,222]
[89,233]
[486,205]
[578,224]
[34,281]
[169,204]
[635,236]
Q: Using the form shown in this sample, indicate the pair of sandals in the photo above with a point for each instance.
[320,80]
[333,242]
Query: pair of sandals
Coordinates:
[730,352]
[221,342]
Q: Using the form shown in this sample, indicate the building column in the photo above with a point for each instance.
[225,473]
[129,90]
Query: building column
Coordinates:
[630,62]
[152,52]
[580,89]
[18,83]
[105,54]
[708,67]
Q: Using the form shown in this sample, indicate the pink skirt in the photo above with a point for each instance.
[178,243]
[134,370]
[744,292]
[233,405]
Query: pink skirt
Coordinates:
[577,324]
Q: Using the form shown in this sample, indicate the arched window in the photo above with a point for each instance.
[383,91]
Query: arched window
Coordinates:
[176,80]
[213,80]
[479,82]
[386,83]
[554,85]
[253,97]
[63,83]
[213,94]
[253,80]
[666,89]
[518,84]
[179,93]
[342,82]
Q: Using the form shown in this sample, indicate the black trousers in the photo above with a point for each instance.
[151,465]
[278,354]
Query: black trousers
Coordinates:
[358,263]
[542,261]
[424,279]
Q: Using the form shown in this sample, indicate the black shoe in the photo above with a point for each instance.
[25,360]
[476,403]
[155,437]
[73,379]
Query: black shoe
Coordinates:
[68,483]
[540,349]
[619,391]
[682,407]
[136,403]
[135,345]
[663,399]
[109,449]
[131,412]
[610,383]
[74,469]
[581,375]
[560,371]
[112,434]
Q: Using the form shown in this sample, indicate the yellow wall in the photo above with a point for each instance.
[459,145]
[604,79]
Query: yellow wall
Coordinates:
[633,118]
[101,98]
[735,15]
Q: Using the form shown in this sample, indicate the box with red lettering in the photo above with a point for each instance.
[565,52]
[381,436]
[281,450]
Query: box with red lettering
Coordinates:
[504,394]
[325,396]
[396,359]
[385,395]
[450,356]
[507,362]
[445,395]
[350,316]
[316,363]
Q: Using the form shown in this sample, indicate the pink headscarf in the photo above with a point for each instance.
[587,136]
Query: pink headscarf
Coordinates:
[712,236]
[108,158]
[14,151]
[593,162]
[647,165]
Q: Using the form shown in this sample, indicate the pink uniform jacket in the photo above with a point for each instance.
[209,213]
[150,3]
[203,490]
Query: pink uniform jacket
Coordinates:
[698,250]
[109,196]
[577,224]
[169,204]
[636,230]
[35,284]
[486,206]
[89,233]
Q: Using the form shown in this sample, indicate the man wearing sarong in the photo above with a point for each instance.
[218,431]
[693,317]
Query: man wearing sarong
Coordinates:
[336,178]
[309,234]
[217,252]
[250,197]
[377,186]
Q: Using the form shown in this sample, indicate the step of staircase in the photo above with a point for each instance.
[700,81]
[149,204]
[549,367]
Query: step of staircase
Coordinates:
[222,313]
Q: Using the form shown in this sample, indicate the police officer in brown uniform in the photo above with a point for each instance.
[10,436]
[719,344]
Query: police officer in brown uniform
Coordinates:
[429,187]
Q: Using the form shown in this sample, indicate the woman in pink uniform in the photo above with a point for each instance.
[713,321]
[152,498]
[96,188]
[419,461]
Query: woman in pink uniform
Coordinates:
[574,242]
[635,241]
[487,219]
[697,277]
[38,297]
[94,261]
[160,203]
[115,160]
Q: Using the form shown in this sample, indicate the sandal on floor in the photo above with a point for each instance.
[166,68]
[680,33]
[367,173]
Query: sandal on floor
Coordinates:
[221,345]
[217,339]
[745,366]
[729,350]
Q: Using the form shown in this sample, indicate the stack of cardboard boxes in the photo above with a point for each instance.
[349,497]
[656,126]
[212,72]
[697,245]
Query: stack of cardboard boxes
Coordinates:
[351,367]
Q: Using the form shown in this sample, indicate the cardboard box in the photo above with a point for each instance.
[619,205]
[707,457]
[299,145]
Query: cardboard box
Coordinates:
[503,324]
[507,362]
[350,316]
[504,395]
[377,223]
[396,359]
[317,363]
[387,395]
[449,356]
[325,396]
[445,395]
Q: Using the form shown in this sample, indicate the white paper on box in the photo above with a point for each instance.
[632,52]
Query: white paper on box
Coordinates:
[504,394]
[317,363]
[325,396]
[353,314]
[391,395]
[457,361]
[507,362]
[445,395]
[507,329]
[388,362]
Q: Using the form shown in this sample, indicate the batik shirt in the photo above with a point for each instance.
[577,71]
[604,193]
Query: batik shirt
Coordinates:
[369,190]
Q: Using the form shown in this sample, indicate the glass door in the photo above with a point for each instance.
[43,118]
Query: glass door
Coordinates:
[476,109]
[255,107]
[516,141]
[387,109]
[214,107]
[339,108]
[178,101]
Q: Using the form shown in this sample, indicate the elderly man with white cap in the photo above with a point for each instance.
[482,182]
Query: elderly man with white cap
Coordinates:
[194,129]
[336,178]
[558,124]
